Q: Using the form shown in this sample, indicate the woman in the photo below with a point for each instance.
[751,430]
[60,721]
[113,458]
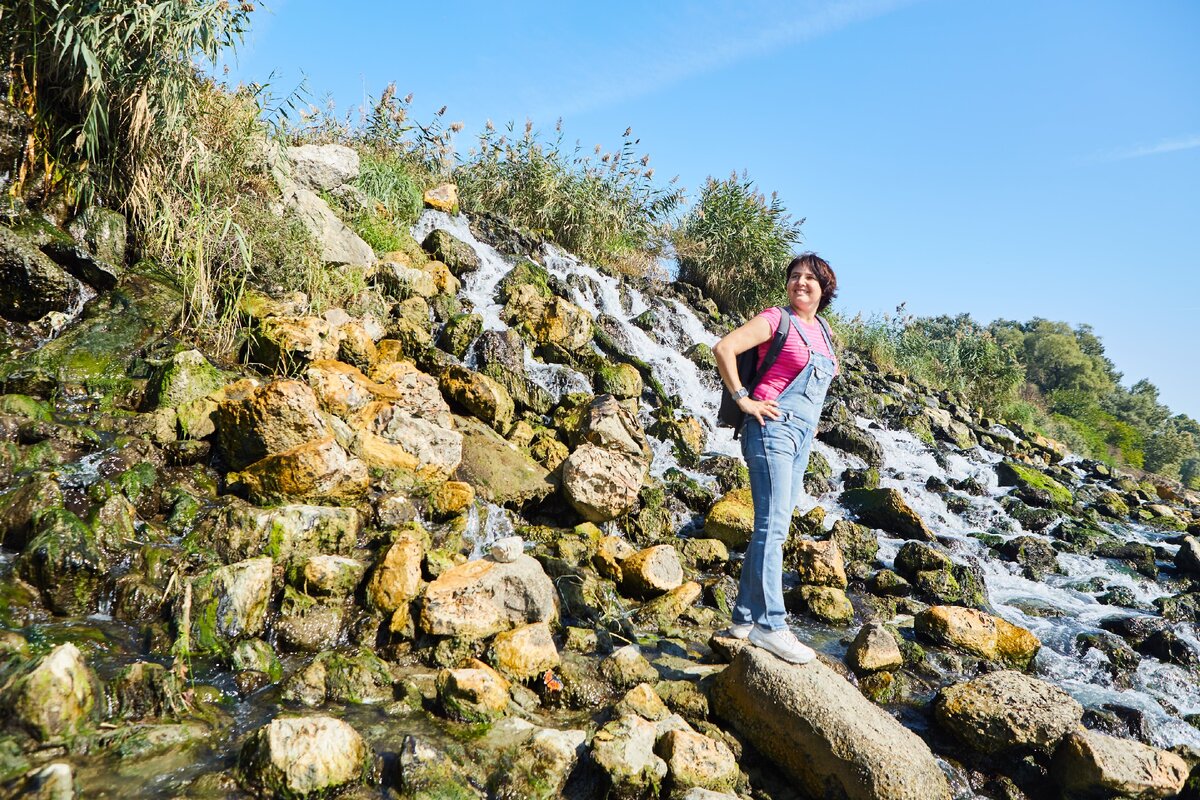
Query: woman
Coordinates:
[781,419]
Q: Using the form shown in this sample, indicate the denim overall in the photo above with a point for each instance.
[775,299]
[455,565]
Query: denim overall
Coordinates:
[776,454]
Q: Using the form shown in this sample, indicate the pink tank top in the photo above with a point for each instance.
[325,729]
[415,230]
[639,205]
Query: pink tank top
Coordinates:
[793,358]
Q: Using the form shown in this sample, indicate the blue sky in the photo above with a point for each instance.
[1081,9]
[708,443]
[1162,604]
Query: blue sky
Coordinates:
[1009,160]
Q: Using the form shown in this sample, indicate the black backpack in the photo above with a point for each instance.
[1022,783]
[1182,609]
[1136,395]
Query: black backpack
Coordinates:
[729,415]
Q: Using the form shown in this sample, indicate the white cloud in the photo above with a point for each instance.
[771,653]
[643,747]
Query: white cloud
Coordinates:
[1141,151]
[684,52]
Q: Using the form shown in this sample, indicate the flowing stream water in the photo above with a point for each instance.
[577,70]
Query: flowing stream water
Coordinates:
[1164,693]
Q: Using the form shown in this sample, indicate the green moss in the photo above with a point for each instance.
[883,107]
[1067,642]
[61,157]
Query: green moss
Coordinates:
[526,272]
[23,405]
[137,480]
[1012,473]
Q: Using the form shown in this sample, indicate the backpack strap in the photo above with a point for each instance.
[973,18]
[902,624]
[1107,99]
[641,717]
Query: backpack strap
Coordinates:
[777,343]
[828,334]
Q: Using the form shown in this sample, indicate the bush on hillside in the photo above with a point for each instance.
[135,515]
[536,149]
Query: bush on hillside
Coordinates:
[952,353]
[735,243]
[604,208]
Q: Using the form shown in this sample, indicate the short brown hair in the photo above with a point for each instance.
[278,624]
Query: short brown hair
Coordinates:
[820,268]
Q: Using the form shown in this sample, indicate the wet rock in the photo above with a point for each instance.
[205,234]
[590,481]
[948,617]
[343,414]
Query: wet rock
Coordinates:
[472,694]
[601,484]
[826,603]
[624,749]
[52,782]
[103,232]
[886,509]
[1139,556]
[255,655]
[642,701]
[886,583]
[359,677]
[145,689]
[21,508]
[857,542]
[853,440]
[524,652]
[333,576]
[696,761]
[548,321]
[502,358]
[731,519]
[460,331]
[323,167]
[454,253]
[64,561]
[298,757]
[32,285]
[823,733]
[1005,710]
[651,572]
[426,772]
[627,667]
[938,578]
[978,633]
[874,649]
[622,381]
[1036,556]
[817,563]
[319,471]
[1187,559]
[268,420]
[51,698]
[223,605]
[730,472]
[288,344]
[239,530]
[665,609]
[185,377]
[500,472]
[1033,486]
[541,768]
[704,553]
[1091,764]
[306,624]
[396,579]
[481,396]
[480,598]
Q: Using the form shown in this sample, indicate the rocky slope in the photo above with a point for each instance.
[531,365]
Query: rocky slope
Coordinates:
[479,548]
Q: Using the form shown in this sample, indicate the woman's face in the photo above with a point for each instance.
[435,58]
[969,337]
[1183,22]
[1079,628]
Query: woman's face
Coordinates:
[803,289]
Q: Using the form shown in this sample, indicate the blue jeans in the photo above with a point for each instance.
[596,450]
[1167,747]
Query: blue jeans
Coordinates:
[777,456]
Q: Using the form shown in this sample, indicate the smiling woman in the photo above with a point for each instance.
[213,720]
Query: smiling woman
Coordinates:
[781,420]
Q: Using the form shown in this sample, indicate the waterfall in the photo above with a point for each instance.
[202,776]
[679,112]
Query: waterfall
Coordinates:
[1163,692]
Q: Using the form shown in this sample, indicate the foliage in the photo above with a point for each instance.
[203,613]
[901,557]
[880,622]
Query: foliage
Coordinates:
[213,226]
[735,243]
[107,83]
[604,208]
[952,353]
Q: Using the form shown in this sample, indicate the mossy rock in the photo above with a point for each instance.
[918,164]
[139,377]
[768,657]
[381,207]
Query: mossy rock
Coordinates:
[702,356]
[887,510]
[525,272]
[100,353]
[731,519]
[459,332]
[459,256]
[65,563]
[22,405]
[186,376]
[1033,485]
[622,381]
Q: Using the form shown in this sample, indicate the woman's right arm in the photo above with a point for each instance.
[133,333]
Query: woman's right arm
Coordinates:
[752,334]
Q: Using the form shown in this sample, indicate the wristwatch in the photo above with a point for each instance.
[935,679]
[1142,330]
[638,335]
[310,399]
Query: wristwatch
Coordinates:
[740,393]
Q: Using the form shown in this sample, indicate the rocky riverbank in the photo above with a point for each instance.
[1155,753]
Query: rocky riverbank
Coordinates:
[478,546]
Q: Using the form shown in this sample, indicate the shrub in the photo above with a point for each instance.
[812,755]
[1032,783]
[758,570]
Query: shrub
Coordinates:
[734,245]
[214,227]
[604,209]
[109,82]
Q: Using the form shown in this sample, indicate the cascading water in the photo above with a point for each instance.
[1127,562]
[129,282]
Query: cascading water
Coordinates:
[1162,692]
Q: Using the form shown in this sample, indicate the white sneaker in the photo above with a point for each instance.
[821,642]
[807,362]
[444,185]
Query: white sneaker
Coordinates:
[735,631]
[782,643]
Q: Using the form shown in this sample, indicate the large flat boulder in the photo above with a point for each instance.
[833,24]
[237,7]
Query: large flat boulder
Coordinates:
[1092,764]
[480,598]
[823,732]
[1008,710]
[500,472]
